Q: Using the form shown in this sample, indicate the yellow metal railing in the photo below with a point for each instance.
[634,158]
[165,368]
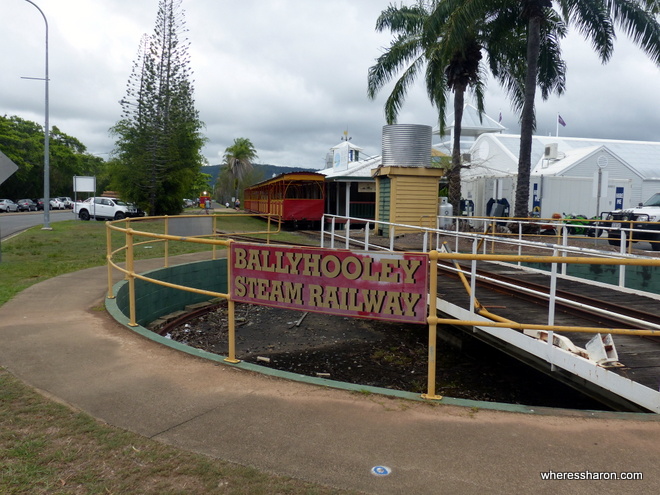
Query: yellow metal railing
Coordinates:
[131,275]
[214,241]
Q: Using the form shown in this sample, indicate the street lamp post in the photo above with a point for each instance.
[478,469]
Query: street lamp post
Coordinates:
[46,135]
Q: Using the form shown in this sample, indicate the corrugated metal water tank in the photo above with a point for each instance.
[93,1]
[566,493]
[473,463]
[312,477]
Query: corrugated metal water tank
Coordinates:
[406,145]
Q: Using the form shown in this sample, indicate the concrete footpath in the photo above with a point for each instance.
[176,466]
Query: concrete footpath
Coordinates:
[55,337]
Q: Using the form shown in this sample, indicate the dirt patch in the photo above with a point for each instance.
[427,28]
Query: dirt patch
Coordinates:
[375,353]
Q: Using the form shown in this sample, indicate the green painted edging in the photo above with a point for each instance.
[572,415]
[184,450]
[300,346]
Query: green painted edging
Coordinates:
[474,405]
[154,301]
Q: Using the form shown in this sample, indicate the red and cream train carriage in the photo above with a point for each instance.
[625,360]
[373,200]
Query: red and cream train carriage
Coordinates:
[297,198]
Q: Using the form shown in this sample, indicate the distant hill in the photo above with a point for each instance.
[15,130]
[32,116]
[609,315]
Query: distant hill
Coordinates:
[268,171]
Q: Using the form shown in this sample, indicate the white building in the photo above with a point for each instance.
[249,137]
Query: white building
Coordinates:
[472,126]
[566,173]
[350,188]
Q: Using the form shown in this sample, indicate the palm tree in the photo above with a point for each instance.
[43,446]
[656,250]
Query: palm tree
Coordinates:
[595,19]
[541,64]
[413,48]
[428,33]
[239,158]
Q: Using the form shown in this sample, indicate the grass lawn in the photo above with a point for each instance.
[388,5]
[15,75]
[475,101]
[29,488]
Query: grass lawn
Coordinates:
[47,448]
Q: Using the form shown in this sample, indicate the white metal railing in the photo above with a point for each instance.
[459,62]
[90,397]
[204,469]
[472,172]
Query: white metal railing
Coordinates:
[559,255]
[453,230]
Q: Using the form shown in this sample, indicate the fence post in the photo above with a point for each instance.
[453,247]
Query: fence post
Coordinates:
[473,276]
[564,241]
[551,310]
[108,254]
[332,233]
[622,268]
[322,231]
[494,234]
[433,327]
[631,234]
[131,277]
[231,317]
[213,231]
[520,233]
[553,289]
[167,242]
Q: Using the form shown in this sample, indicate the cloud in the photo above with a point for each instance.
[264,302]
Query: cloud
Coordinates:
[290,75]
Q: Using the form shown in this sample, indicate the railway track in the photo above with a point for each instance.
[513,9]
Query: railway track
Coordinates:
[604,313]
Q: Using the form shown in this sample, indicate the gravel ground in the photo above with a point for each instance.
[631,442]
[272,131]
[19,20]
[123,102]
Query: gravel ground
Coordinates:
[377,353]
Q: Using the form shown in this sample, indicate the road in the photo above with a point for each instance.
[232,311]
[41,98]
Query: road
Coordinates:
[11,223]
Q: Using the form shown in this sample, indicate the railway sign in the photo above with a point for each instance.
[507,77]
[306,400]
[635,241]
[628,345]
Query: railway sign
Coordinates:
[386,286]
[7,167]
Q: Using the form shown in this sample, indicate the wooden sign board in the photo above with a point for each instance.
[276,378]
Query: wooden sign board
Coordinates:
[386,286]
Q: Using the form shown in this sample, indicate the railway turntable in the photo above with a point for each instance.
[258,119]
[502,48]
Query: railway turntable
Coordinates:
[619,370]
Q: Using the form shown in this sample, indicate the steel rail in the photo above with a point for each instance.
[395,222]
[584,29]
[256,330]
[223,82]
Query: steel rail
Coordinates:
[584,307]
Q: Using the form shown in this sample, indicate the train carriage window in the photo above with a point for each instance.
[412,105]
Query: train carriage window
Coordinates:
[304,190]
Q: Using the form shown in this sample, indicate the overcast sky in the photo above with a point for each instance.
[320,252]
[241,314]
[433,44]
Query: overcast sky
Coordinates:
[290,75]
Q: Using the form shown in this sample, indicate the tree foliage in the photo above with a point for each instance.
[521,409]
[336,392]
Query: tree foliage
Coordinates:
[428,39]
[238,159]
[226,184]
[159,140]
[522,41]
[201,183]
[546,23]
[595,20]
[23,143]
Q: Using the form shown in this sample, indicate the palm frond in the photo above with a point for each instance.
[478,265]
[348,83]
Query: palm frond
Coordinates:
[639,20]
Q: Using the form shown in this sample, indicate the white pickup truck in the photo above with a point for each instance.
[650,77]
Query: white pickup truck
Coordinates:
[104,209]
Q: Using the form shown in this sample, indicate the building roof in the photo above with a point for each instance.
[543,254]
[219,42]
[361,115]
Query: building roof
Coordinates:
[346,144]
[643,157]
[355,171]
[566,160]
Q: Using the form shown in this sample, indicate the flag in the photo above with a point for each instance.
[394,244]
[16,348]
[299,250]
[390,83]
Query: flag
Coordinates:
[561,121]
[500,117]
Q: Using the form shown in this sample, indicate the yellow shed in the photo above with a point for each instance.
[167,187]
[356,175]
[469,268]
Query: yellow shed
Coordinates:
[407,195]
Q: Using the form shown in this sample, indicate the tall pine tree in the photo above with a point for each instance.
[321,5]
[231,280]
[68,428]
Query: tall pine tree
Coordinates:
[159,139]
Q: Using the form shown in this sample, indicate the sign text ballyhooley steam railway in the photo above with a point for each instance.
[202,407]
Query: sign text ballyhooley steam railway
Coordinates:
[389,286]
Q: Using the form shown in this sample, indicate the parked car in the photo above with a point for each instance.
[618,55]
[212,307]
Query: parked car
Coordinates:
[56,204]
[67,201]
[8,205]
[104,209]
[40,203]
[26,205]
